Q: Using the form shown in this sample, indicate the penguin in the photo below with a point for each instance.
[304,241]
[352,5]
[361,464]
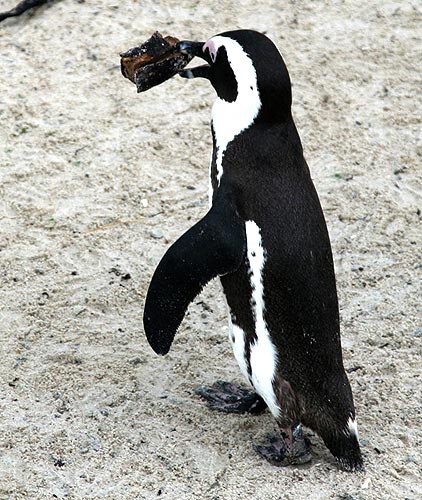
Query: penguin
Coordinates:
[266,239]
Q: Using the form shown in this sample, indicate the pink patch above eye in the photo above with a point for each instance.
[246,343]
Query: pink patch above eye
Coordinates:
[211,49]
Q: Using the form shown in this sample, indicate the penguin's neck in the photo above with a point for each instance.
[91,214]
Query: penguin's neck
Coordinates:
[229,119]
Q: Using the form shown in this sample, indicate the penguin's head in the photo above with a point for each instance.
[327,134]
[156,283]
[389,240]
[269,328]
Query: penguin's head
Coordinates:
[244,66]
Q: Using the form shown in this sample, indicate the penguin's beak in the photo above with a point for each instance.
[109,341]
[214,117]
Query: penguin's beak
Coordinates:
[194,49]
[191,48]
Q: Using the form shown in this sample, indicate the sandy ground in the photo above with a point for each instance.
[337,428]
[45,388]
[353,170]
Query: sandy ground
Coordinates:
[96,181]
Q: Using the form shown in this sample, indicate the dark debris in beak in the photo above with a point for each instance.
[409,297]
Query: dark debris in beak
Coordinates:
[153,62]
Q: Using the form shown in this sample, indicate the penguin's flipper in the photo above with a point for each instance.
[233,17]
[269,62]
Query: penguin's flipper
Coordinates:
[213,247]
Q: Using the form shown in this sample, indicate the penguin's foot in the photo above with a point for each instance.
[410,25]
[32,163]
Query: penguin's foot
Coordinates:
[231,398]
[283,450]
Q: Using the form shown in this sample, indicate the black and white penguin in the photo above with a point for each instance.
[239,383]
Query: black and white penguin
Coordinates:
[266,238]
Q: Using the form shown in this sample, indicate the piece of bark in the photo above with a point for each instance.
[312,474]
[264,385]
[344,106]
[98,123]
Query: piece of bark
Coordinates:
[153,62]
[21,8]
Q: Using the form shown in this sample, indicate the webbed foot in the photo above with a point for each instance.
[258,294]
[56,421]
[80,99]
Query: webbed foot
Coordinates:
[231,398]
[288,448]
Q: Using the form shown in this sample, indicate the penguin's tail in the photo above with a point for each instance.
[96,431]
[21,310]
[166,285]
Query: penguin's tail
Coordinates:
[344,445]
[341,439]
[333,418]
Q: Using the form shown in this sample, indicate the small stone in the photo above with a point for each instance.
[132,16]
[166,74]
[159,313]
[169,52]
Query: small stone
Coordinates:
[156,233]
[417,333]
[136,361]
[92,55]
[96,445]
[12,383]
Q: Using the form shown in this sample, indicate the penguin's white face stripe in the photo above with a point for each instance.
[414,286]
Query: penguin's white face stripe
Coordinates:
[230,118]
[263,356]
[237,338]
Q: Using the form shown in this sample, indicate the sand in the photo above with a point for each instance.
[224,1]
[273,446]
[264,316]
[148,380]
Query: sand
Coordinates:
[97,181]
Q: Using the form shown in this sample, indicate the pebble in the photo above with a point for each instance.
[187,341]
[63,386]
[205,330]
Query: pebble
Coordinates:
[156,233]
[136,361]
[92,55]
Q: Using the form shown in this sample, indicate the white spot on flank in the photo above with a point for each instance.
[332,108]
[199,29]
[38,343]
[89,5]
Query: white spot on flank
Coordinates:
[231,118]
[237,338]
[352,427]
[263,357]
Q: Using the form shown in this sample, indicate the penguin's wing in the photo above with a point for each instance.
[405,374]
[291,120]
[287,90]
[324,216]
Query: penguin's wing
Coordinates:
[213,247]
